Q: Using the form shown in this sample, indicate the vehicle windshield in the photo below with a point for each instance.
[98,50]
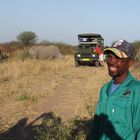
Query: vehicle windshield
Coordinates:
[88,39]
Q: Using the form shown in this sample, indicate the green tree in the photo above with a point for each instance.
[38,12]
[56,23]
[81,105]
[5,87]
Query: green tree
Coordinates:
[27,38]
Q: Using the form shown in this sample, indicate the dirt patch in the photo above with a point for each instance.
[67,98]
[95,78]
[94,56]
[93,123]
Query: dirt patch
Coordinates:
[75,89]
[37,87]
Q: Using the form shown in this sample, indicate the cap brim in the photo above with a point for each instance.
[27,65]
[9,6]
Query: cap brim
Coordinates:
[117,52]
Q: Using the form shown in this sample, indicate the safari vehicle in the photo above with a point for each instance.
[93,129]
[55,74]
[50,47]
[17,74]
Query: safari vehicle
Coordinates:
[84,53]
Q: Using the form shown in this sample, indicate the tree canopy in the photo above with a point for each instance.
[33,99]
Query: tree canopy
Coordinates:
[27,38]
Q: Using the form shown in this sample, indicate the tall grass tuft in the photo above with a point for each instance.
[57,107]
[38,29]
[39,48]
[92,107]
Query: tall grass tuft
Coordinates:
[53,128]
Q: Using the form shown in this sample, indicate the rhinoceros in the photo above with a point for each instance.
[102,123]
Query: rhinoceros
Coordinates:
[42,52]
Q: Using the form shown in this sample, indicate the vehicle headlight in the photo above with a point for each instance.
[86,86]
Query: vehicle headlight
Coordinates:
[78,55]
[93,55]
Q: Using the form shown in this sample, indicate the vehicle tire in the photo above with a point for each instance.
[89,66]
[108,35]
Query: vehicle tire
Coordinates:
[77,64]
[97,64]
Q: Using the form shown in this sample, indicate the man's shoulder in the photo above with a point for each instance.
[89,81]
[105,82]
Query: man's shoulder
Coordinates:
[134,81]
[106,84]
[134,86]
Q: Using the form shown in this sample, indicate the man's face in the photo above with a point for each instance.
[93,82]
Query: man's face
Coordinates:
[117,67]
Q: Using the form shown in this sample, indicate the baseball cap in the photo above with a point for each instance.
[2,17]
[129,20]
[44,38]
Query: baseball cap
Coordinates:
[122,49]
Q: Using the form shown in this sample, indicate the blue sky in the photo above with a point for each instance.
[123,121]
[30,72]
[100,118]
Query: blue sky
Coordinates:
[62,20]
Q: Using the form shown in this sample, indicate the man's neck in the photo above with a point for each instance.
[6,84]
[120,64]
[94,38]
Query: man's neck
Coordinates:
[120,79]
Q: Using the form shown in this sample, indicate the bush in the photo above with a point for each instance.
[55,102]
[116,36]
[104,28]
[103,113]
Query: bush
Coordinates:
[23,54]
[53,128]
[64,48]
[138,58]
[27,38]
[136,45]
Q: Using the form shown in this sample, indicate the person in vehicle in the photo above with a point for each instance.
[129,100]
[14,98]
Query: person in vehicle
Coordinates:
[98,50]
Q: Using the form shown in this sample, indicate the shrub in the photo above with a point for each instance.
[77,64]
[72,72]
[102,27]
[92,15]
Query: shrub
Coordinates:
[53,128]
[64,48]
[23,54]
[27,38]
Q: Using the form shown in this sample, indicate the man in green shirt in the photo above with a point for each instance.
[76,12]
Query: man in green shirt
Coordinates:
[117,115]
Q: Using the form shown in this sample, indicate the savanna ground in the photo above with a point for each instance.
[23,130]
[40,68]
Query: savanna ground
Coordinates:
[31,88]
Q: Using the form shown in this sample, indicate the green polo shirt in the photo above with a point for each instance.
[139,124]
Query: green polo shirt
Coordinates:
[117,115]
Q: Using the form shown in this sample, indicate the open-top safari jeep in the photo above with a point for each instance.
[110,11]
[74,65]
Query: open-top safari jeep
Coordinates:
[84,53]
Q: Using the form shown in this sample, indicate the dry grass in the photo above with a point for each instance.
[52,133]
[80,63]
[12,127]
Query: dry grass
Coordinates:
[32,87]
[23,84]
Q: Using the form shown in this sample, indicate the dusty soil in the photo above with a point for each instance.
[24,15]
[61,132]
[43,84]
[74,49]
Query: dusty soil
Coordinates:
[31,88]
[75,89]
[63,89]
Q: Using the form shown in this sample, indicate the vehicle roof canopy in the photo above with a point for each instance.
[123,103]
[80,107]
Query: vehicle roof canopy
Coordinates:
[90,35]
